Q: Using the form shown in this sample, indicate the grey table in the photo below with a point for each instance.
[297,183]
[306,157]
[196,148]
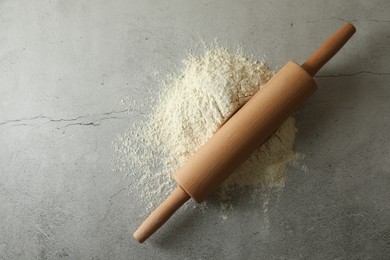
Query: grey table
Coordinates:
[65,66]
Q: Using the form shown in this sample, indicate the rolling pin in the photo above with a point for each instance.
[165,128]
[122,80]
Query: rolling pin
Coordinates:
[249,128]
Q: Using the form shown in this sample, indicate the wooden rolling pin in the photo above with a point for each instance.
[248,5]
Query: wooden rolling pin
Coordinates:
[249,128]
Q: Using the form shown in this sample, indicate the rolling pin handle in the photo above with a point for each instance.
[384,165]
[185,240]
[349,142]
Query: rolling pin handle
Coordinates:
[160,215]
[329,49]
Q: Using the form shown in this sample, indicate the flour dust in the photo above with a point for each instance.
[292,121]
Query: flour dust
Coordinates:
[190,108]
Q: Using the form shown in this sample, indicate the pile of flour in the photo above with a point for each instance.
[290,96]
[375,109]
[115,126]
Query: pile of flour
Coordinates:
[191,107]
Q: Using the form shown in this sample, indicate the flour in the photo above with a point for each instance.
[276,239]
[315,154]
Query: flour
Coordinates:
[192,106]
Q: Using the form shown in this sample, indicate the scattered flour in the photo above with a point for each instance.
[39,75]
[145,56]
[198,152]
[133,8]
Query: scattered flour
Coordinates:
[189,110]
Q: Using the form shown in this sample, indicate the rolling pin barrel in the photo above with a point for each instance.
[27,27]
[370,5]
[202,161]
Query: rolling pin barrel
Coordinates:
[250,127]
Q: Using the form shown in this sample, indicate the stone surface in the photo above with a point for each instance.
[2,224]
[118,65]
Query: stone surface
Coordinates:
[65,66]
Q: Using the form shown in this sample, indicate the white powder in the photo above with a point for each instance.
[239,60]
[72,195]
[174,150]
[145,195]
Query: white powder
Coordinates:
[190,109]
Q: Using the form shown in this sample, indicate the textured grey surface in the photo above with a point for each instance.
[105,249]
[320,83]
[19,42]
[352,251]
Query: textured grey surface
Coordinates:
[64,67]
